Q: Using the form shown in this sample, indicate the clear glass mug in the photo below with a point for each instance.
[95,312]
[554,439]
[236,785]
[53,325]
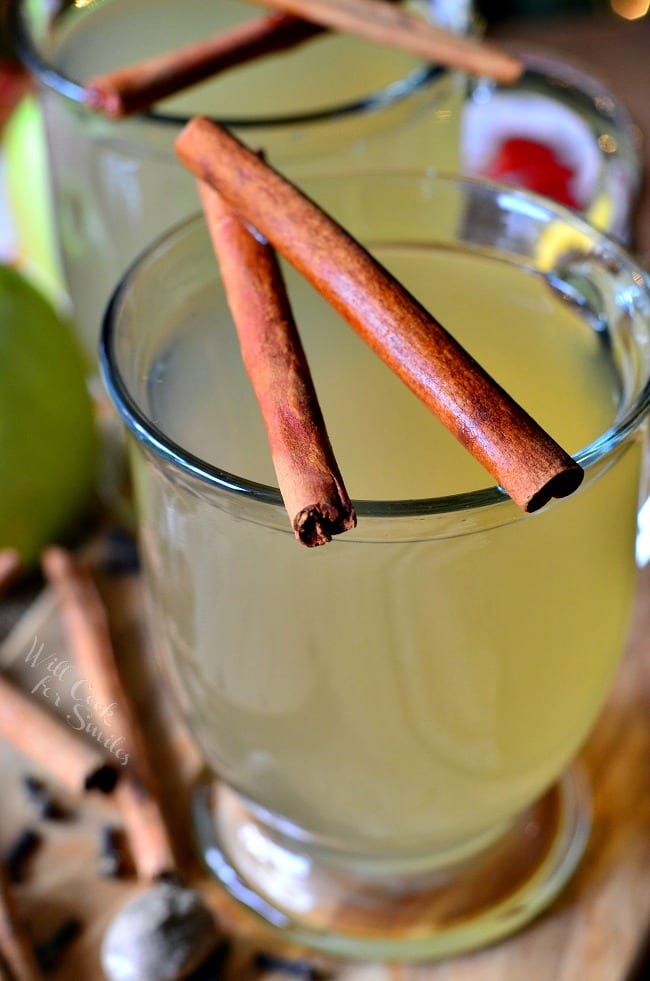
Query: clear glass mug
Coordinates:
[561,132]
[390,718]
[334,103]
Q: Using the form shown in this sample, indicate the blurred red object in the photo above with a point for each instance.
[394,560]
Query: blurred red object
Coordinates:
[534,166]
[14,83]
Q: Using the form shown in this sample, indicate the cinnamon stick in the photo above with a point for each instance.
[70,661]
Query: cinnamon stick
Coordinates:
[138,86]
[90,642]
[524,459]
[145,829]
[10,568]
[17,957]
[52,743]
[386,23]
[308,475]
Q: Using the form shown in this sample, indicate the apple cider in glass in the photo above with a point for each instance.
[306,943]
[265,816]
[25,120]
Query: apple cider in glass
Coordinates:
[334,103]
[382,713]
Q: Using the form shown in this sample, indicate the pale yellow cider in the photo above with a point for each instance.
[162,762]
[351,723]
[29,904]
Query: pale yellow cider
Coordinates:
[327,71]
[400,697]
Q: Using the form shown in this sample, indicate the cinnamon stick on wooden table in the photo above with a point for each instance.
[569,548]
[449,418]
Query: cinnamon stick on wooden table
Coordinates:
[308,475]
[52,743]
[521,457]
[145,828]
[87,629]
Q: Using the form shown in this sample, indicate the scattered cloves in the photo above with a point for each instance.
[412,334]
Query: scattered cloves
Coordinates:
[40,798]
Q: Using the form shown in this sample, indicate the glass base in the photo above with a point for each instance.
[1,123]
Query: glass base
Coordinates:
[446,910]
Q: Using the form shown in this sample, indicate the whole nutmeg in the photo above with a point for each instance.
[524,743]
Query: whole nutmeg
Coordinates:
[162,934]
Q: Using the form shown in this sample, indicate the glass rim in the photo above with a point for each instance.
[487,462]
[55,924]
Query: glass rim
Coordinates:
[156,440]
[568,73]
[391,94]
[567,77]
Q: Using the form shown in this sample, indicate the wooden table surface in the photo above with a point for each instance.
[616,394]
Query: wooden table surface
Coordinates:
[594,931]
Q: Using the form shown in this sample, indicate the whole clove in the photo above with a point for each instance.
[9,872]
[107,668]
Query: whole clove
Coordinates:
[296,968]
[120,554]
[110,852]
[19,852]
[41,799]
[215,965]
[50,952]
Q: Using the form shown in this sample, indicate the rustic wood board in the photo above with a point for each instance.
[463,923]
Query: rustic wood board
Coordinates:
[593,931]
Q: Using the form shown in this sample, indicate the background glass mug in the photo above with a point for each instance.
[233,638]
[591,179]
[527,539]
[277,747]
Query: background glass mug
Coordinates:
[560,132]
[333,103]
[389,716]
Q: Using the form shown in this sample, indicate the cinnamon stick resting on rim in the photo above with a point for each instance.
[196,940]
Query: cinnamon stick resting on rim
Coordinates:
[516,451]
[138,86]
[89,637]
[52,743]
[308,476]
[387,23]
